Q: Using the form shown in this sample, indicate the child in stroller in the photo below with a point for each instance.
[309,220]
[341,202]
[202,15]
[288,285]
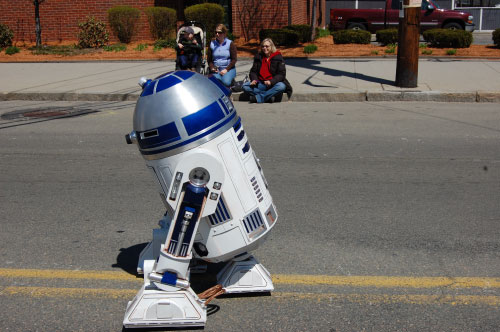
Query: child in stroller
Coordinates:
[188,50]
[191,47]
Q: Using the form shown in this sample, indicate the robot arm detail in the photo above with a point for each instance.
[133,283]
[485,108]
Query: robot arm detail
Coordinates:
[194,193]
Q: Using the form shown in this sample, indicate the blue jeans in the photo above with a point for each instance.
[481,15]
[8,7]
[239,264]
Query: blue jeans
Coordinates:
[261,92]
[227,78]
[188,61]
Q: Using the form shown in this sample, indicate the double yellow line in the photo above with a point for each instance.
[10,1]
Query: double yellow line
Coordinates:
[283,279]
[279,279]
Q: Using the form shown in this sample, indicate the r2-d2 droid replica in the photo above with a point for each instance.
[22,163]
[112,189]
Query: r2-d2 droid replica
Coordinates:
[216,197]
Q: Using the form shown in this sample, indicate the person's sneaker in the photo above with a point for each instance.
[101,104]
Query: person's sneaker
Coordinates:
[253,99]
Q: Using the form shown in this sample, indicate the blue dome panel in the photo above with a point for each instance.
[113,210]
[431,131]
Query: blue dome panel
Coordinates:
[204,118]
[167,82]
[184,74]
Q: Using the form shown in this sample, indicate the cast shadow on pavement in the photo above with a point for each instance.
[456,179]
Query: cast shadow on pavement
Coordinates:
[316,65]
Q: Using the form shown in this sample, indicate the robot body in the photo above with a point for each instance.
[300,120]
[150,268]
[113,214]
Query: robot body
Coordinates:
[215,193]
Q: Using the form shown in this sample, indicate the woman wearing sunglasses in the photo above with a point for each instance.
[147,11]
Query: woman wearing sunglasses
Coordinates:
[267,75]
[222,56]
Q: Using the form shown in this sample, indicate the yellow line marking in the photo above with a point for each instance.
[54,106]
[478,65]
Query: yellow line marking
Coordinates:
[279,279]
[386,281]
[40,292]
[68,274]
[53,292]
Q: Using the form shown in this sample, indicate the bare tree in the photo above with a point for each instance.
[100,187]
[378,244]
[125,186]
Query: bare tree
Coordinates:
[38,27]
[313,23]
[248,12]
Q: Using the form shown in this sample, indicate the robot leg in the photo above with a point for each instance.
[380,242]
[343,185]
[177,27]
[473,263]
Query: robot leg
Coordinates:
[245,275]
[166,298]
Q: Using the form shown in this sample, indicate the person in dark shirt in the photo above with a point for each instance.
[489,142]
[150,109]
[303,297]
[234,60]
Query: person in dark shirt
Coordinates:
[267,75]
[188,50]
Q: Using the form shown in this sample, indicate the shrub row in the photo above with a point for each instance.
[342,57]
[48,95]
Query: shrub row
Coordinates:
[448,38]
[122,20]
[303,30]
[162,21]
[210,14]
[351,37]
[387,36]
[280,37]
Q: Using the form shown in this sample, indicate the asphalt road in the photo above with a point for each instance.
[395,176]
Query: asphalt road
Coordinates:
[389,217]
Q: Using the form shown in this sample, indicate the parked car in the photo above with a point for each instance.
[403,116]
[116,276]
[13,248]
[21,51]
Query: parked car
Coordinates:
[384,18]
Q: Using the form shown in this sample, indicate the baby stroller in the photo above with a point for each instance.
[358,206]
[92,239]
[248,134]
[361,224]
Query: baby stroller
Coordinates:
[201,36]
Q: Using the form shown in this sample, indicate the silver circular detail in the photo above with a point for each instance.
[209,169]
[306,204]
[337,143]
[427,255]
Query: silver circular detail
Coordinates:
[199,176]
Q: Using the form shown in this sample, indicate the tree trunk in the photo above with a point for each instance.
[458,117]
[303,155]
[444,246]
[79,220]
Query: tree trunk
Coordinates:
[313,23]
[38,27]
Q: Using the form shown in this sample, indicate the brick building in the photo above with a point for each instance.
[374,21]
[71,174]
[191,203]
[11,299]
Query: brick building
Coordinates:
[60,18]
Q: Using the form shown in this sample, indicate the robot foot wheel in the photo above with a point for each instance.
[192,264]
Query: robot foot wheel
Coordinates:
[156,308]
[246,276]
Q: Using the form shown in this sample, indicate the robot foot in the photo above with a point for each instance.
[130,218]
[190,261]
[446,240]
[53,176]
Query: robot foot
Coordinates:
[156,308]
[246,276]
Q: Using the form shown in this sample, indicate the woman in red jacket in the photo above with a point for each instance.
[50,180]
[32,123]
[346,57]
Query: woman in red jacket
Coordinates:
[268,75]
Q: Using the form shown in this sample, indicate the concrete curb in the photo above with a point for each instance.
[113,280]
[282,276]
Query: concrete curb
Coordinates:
[68,96]
[372,96]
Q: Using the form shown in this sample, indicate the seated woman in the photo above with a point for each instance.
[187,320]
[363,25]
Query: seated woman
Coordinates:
[267,75]
[188,50]
[222,56]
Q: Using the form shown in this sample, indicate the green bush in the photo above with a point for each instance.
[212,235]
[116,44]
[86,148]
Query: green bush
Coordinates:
[448,38]
[303,30]
[391,49]
[115,48]
[451,52]
[162,21]
[12,50]
[427,52]
[351,37]
[322,33]
[280,37]
[122,20]
[310,49]
[496,37]
[65,50]
[141,47]
[387,36]
[6,36]
[164,43]
[210,14]
[92,33]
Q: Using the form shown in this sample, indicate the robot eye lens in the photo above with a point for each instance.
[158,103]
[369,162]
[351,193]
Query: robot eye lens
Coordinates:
[199,176]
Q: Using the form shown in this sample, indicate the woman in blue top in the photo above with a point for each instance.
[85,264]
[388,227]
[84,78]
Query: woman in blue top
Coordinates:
[222,56]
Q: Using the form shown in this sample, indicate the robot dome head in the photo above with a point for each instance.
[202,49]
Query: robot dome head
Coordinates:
[179,111]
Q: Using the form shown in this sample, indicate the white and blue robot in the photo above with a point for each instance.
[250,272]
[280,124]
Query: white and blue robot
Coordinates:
[218,207]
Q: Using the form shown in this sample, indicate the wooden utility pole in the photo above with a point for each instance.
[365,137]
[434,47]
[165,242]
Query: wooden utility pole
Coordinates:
[409,33]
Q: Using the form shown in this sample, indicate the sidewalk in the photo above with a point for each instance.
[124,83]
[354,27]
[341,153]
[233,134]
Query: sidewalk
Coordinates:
[313,80]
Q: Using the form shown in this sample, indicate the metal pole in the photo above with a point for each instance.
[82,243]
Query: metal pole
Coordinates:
[409,33]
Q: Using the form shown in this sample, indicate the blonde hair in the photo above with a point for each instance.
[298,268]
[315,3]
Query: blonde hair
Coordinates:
[222,28]
[270,41]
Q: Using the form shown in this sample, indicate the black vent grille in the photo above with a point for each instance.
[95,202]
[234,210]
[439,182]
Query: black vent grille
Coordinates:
[254,224]
[221,214]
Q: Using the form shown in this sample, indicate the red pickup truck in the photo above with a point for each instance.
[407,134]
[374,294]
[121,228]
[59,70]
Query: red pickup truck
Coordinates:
[384,18]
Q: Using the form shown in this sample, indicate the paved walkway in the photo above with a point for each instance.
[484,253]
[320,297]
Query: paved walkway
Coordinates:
[313,79]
